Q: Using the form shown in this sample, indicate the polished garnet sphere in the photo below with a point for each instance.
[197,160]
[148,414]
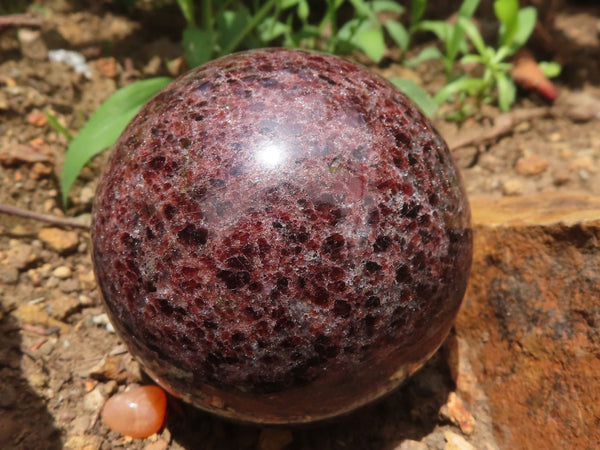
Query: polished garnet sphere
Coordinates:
[281,236]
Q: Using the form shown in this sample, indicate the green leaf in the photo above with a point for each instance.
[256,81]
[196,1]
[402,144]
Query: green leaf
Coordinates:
[286,4]
[456,38]
[187,9]
[467,9]
[506,91]
[424,55]
[398,33]
[473,33]
[198,45]
[105,126]
[501,54]
[550,69]
[526,19]
[471,86]
[363,9]
[441,29]
[347,31]
[371,42]
[229,24]
[270,29]
[507,12]
[417,94]
[387,6]
[303,10]
[472,59]
[418,9]
[250,25]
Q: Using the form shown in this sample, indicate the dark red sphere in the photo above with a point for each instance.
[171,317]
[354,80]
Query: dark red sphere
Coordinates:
[281,236]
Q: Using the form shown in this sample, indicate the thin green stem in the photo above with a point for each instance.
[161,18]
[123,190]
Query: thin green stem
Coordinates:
[187,9]
[207,15]
[256,19]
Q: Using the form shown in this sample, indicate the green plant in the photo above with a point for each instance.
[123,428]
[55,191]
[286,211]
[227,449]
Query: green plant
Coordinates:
[231,25]
[516,25]
[451,36]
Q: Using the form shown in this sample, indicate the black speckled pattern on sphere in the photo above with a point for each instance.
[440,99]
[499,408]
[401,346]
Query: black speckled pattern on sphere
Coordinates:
[281,236]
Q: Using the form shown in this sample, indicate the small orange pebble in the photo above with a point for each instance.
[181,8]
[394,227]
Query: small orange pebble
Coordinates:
[527,74]
[37,119]
[138,412]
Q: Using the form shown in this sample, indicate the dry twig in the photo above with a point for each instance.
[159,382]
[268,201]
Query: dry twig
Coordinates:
[503,125]
[59,221]
[19,20]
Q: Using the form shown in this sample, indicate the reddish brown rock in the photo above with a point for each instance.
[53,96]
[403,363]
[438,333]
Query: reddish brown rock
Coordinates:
[531,318]
[531,165]
[277,227]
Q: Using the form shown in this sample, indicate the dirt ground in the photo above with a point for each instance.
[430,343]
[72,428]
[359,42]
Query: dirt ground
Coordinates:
[60,359]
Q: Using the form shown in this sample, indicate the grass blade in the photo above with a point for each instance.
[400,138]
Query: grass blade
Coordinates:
[54,123]
[417,94]
[105,126]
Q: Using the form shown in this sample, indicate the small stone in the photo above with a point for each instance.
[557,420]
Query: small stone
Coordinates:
[84,442]
[176,66]
[70,285]
[47,347]
[555,137]
[456,442]
[455,411]
[63,306]
[37,119]
[32,44]
[37,380]
[87,195]
[531,165]
[512,187]
[85,300]
[59,240]
[523,127]
[153,66]
[52,283]
[79,424]
[491,163]
[40,170]
[102,321]
[9,275]
[49,205]
[274,439]
[62,272]
[138,412]
[157,445]
[108,369]
[409,444]
[20,256]
[109,388]
[72,58]
[93,400]
[36,314]
[584,163]
[107,66]
[561,176]
[87,280]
